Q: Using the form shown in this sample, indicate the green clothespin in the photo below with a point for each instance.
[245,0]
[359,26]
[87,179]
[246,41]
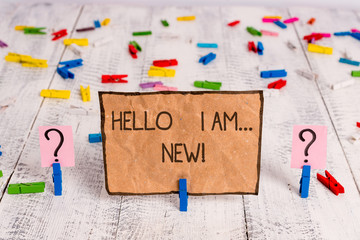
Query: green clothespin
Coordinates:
[20,188]
[136,45]
[164,23]
[208,85]
[141,33]
[1,174]
[34,30]
[355,73]
[253,31]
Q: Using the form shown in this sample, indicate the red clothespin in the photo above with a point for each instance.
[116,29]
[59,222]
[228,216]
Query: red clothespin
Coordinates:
[59,34]
[132,51]
[252,47]
[165,63]
[358,124]
[331,183]
[277,84]
[316,36]
[233,23]
[311,21]
[113,79]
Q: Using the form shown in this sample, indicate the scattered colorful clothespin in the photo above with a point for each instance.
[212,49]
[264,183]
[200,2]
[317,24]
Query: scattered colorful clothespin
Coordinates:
[306,74]
[319,49]
[132,51]
[277,84]
[164,23]
[207,58]
[51,93]
[26,60]
[208,85]
[2,44]
[85,93]
[21,28]
[21,188]
[355,35]
[79,42]
[269,33]
[150,84]
[253,31]
[267,20]
[330,182]
[355,73]
[343,84]
[57,179]
[161,72]
[1,173]
[165,63]
[260,48]
[311,21]
[291,20]
[354,30]
[186,18]
[358,124]
[105,22]
[183,195]
[0,155]
[207,45]
[273,73]
[348,61]
[85,29]
[342,34]
[59,34]
[95,137]
[33,30]
[114,78]
[305,181]
[141,33]
[280,24]
[325,35]
[97,23]
[291,46]
[64,71]
[313,37]
[164,88]
[234,23]
[277,17]
[76,49]
[136,45]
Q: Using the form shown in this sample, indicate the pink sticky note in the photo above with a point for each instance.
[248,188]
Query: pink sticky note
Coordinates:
[315,150]
[51,148]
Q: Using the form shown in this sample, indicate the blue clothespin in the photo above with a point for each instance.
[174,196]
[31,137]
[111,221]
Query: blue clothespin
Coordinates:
[207,45]
[65,73]
[342,33]
[0,151]
[207,58]
[183,195]
[72,63]
[355,35]
[273,73]
[97,23]
[260,48]
[57,179]
[280,24]
[348,61]
[305,181]
[95,137]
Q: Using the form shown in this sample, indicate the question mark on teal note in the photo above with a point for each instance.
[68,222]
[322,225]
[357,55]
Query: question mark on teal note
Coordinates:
[306,151]
[60,143]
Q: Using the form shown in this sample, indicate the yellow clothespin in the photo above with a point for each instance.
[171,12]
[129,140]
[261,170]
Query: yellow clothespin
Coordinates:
[21,28]
[186,18]
[79,42]
[85,93]
[161,72]
[35,63]
[105,22]
[14,57]
[278,17]
[319,49]
[50,93]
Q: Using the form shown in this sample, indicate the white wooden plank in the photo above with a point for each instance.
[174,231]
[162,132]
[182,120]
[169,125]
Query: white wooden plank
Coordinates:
[19,86]
[278,212]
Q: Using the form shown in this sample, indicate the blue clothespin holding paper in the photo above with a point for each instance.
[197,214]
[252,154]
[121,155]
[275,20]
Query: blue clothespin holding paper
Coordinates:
[305,181]
[183,195]
[57,179]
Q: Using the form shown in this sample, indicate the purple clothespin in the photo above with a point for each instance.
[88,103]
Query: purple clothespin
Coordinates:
[2,44]
[150,84]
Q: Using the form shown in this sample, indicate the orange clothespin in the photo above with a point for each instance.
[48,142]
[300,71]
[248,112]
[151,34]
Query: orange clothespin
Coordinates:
[331,183]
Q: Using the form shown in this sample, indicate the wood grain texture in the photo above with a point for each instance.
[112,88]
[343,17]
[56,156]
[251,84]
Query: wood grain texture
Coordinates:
[86,211]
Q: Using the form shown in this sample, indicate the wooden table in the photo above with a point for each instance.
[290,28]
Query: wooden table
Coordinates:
[86,211]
